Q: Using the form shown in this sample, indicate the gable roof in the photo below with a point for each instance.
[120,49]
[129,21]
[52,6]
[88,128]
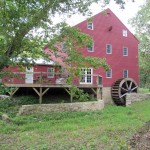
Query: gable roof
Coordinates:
[110,16]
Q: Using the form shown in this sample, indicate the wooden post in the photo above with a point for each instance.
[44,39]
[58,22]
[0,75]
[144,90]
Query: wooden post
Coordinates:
[41,78]
[11,93]
[40,96]
[40,93]
[70,93]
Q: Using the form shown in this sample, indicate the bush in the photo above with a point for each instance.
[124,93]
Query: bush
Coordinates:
[11,106]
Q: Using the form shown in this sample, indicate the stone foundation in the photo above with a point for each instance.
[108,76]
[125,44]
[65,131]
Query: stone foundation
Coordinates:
[136,97]
[63,107]
[107,95]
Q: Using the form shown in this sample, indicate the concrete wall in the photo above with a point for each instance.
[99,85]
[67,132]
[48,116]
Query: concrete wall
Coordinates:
[45,108]
[136,97]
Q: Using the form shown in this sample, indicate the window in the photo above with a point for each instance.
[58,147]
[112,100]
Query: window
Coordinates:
[124,33]
[108,49]
[86,77]
[109,74]
[50,72]
[125,51]
[90,25]
[91,49]
[125,73]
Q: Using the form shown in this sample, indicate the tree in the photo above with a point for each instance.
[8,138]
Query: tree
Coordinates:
[141,23]
[19,19]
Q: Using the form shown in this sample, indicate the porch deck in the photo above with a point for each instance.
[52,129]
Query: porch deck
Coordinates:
[52,85]
[41,83]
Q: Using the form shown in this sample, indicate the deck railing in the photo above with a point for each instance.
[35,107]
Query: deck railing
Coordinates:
[49,78]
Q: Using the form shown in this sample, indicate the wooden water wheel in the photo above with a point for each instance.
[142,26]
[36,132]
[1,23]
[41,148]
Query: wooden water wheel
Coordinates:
[120,89]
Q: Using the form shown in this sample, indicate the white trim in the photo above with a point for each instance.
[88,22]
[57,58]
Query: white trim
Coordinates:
[52,73]
[29,75]
[124,33]
[110,73]
[124,73]
[91,47]
[126,51]
[110,49]
[90,27]
[86,76]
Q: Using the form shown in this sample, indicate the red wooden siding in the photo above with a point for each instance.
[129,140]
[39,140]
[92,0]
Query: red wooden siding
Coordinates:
[108,30]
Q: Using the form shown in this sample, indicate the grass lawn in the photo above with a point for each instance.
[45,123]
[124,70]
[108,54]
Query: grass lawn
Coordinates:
[144,90]
[108,129]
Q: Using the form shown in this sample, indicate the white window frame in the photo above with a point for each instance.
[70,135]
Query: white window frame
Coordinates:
[125,71]
[125,33]
[91,49]
[50,72]
[85,76]
[109,50]
[125,53]
[109,72]
[90,25]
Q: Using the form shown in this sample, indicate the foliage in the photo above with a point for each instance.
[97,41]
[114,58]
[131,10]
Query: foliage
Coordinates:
[144,90]
[141,23]
[11,105]
[26,26]
[19,20]
[106,129]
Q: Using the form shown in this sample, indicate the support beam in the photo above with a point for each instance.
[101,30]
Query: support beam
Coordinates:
[70,93]
[95,92]
[12,92]
[40,93]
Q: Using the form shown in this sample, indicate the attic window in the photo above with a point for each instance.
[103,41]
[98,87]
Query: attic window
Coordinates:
[90,25]
[124,33]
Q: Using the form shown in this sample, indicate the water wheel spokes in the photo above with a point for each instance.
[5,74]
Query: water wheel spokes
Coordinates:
[120,89]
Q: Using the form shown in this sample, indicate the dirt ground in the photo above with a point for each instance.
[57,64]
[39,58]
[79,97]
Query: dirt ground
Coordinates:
[141,140]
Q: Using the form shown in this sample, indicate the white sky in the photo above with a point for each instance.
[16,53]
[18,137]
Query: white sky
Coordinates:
[123,14]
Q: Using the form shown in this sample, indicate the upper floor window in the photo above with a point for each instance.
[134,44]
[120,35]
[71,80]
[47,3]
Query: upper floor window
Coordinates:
[125,51]
[50,72]
[91,48]
[108,49]
[125,73]
[109,73]
[90,25]
[124,33]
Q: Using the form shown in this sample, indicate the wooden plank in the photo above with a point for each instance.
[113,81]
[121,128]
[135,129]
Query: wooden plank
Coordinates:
[40,99]
[45,91]
[13,92]
[94,91]
[36,91]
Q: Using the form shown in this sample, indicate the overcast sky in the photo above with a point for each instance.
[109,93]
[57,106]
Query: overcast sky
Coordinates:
[123,14]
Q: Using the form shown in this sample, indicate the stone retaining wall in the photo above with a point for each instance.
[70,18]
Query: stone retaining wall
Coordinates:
[45,108]
[135,97]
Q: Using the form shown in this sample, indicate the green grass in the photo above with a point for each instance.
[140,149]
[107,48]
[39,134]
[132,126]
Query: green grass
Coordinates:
[108,129]
[144,90]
